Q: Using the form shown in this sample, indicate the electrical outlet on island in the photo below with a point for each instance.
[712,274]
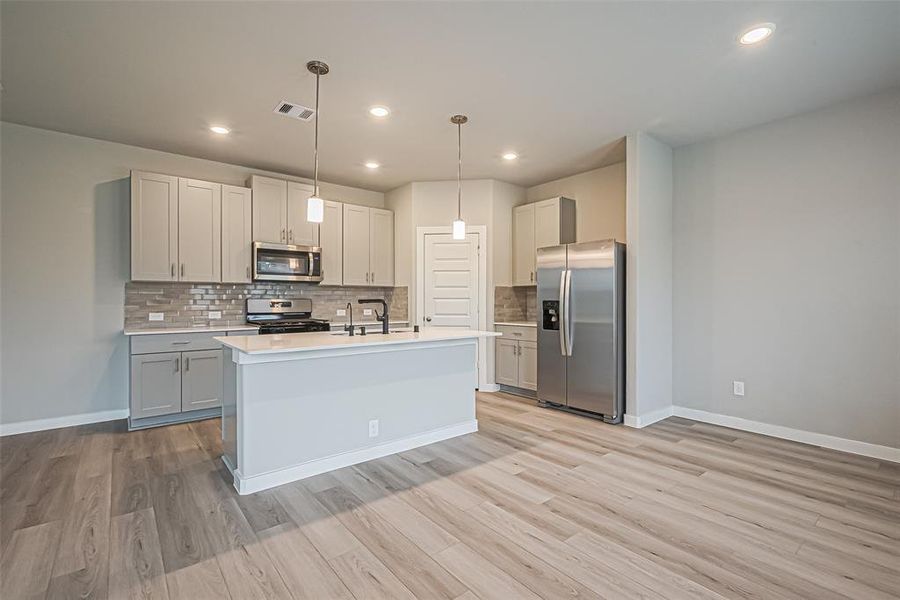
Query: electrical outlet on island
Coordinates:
[738,388]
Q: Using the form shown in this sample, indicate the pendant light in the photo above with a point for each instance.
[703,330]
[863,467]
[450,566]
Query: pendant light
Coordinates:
[459,226]
[315,206]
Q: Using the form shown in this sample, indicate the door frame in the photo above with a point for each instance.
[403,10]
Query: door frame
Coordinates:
[482,298]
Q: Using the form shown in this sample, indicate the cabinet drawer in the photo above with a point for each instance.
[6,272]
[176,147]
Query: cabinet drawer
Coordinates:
[514,332]
[174,342]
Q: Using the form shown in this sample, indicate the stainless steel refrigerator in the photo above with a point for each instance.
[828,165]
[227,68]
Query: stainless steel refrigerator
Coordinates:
[581,327]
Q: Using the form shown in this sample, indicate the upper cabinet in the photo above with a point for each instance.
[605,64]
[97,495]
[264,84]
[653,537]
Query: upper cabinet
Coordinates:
[199,230]
[368,246]
[331,239]
[300,231]
[237,234]
[539,225]
[154,227]
[269,209]
[176,228]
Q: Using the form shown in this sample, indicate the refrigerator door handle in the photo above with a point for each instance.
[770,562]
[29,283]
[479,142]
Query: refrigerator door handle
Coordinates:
[568,312]
[562,312]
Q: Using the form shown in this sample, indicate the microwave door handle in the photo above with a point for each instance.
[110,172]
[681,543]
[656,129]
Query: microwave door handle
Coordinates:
[562,312]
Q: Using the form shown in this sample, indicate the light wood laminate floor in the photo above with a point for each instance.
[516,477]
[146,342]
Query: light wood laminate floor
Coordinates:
[537,504]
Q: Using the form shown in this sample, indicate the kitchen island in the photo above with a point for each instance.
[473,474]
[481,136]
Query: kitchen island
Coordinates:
[301,404]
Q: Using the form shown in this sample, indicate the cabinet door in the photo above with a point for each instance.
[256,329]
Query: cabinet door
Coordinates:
[199,230]
[300,231]
[201,380]
[356,245]
[331,239]
[154,227]
[523,244]
[546,223]
[155,384]
[381,252]
[269,209]
[507,359]
[528,365]
[237,234]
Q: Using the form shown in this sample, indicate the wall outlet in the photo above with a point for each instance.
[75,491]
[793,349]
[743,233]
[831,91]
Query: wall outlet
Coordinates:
[373,428]
[215,314]
[367,312]
[738,388]
[342,312]
[157,316]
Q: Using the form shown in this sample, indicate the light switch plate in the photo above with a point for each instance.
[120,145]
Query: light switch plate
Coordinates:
[342,312]
[157,316]
[215,314]
[367,312]
[373,428]
[738,388]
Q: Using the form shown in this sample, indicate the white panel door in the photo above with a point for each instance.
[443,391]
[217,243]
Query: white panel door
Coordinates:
[331,239]
[154,227]
[381,253]
[546,223]
[269,209]
[199,230]
[523,242]
[356,245]
[237,234]
[527,365]
[300,231]
[451,281]
[507,369]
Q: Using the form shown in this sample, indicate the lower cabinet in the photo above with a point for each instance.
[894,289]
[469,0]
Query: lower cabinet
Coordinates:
[174,383]
[516,358]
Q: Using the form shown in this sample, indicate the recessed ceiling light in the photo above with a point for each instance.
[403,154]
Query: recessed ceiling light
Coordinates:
[757,33]
[372,165]
[379,111]
[220,130]
[510,156]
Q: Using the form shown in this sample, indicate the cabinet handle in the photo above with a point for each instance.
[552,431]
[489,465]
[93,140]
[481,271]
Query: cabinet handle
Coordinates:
[182,269]
[181,343]
[173,270]
[177,364]
[373,276]
[367,278]
[187,364]
[282,235]
[248,272]
[291,236]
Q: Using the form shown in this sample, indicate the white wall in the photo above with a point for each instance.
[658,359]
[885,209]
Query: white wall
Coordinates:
[599,197]
[787,272]
[65,260]
[648,335]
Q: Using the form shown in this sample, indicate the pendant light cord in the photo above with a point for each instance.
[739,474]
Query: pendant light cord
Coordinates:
[316,151]
[459,171]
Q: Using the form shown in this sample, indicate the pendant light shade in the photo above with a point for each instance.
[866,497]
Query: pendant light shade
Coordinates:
[459,226]
[315,206]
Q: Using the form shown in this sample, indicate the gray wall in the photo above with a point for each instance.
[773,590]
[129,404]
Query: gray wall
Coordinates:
[65,260]
[787,272]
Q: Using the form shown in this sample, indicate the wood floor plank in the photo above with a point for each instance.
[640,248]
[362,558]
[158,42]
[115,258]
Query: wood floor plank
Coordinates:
[485,579]
[135,558]
[367,577]
[27,562]
[327,534]
[201,581]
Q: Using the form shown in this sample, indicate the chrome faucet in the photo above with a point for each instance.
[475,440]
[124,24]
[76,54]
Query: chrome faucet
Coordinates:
[349,327]
[382,318]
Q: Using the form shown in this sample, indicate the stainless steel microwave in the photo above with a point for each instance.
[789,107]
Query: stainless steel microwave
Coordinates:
[285,262]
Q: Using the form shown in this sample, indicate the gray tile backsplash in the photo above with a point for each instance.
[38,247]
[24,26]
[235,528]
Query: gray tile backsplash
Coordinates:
[188,304]
[515,303]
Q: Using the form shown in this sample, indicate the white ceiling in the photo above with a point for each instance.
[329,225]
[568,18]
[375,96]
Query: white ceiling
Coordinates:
[556,82]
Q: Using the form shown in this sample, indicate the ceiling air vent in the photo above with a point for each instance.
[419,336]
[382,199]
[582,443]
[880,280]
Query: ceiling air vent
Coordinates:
[295,111]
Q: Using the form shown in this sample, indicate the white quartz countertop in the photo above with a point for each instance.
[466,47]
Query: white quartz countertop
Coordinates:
[216,329]
[303,342]
[516,323]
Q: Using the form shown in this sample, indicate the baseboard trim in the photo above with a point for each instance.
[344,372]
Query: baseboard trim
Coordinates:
[258,483]
[57,422]
[489,387]
[649,418]
[796,435]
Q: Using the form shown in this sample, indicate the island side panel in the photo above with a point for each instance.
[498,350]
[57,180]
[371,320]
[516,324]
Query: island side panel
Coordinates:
[301,417]
[229,410]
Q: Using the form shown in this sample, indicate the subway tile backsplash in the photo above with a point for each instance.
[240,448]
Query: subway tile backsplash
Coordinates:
[188,304]
[515,303]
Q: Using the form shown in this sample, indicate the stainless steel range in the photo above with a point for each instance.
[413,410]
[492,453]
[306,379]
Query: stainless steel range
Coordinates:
[281,315]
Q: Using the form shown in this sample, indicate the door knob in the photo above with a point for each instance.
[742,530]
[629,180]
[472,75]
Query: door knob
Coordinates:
[428,319]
